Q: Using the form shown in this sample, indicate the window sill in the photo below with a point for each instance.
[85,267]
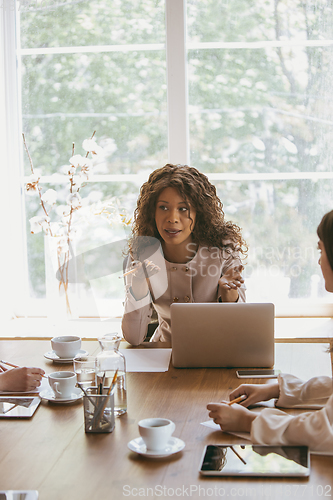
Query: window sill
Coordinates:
[286,329]
[43,328]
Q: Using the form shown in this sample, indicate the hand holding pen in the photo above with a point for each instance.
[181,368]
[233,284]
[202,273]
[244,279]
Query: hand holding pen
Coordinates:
[142,270]
[254,393]
[231,417]
[19,379]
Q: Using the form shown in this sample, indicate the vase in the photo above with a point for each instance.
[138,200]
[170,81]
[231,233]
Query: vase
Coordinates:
[61,287]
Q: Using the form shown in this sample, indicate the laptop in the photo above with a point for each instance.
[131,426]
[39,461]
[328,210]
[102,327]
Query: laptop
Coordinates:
[227,335]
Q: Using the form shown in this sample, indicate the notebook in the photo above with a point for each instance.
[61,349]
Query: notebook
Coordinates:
[224,335]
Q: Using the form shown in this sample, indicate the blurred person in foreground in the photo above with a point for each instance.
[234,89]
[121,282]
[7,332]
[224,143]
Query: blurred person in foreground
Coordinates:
[273,426]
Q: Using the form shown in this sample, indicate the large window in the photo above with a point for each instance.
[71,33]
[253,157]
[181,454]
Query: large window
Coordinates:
[260,109]
[249,84]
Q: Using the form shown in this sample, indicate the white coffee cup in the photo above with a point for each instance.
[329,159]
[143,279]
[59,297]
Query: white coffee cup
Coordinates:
[66,346]
[156,432]
[62,384]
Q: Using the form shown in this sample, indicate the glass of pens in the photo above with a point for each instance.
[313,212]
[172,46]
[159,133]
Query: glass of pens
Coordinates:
[98,404]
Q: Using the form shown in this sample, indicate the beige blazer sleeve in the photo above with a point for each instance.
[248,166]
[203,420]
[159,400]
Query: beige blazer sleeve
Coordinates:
[313,429]
[136,318]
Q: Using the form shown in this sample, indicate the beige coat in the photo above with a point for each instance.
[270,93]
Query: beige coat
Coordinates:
[313,429]
[196,281]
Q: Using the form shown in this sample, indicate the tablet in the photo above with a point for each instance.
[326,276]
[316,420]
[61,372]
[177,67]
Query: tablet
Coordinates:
[19,495]
[255,460]
[18,406]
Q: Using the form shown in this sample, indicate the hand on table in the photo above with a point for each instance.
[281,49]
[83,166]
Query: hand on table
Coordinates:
[20,379]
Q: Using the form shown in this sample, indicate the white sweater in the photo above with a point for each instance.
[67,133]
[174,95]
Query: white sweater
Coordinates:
[313,429]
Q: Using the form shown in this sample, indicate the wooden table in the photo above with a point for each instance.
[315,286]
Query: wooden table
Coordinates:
[52,454]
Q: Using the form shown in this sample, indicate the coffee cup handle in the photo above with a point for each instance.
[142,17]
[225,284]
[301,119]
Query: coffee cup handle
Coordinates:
[56,389]
[173,426]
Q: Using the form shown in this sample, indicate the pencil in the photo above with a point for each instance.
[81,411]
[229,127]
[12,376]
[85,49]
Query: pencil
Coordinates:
[9,364]
[98,415]
[133,270]
[237,400]
[238,455]
[14,366]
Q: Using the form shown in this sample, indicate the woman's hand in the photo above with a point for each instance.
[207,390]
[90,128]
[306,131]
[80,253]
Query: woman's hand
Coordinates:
[21,379]
[140,272]
[255,393]
[229,284]
[231,418]
[143,270]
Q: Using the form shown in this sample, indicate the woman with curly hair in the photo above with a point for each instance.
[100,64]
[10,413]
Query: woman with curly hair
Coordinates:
[181,250]
[273,426]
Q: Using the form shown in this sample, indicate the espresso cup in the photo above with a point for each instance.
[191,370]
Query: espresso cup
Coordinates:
[156,432]
[66,346]
[62,384]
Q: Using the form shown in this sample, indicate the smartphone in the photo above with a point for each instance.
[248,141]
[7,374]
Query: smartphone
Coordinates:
[263,373]
[255,460]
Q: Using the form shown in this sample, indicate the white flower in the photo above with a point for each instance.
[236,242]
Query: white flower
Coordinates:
[78,161]
[32,184]
[39,223]
[91,146]
[62,210]
[56,229]
[77,181]
[85,173]
[50,197]
[71,170]
[74,199]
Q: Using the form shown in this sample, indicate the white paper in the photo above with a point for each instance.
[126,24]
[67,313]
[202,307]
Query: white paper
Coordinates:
[147,360]
[216,427]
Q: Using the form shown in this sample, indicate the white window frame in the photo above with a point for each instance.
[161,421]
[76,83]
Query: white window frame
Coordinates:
[14,258]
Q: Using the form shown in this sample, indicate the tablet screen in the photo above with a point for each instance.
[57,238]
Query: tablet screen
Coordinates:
[17,406]
[255,460]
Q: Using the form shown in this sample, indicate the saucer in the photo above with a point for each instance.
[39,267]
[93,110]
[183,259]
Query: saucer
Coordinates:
[49,395]
[54,357]
[174,446]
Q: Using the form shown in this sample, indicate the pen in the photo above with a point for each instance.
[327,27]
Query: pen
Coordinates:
[86,394]
[238,455]
[237,400]
[133,270]
[14,366]
[101,407]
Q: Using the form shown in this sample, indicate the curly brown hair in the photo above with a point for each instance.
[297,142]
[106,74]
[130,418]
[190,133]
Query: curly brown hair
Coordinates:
[210,229]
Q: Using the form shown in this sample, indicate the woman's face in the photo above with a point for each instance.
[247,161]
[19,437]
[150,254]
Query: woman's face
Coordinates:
[172,218]
[325,267]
